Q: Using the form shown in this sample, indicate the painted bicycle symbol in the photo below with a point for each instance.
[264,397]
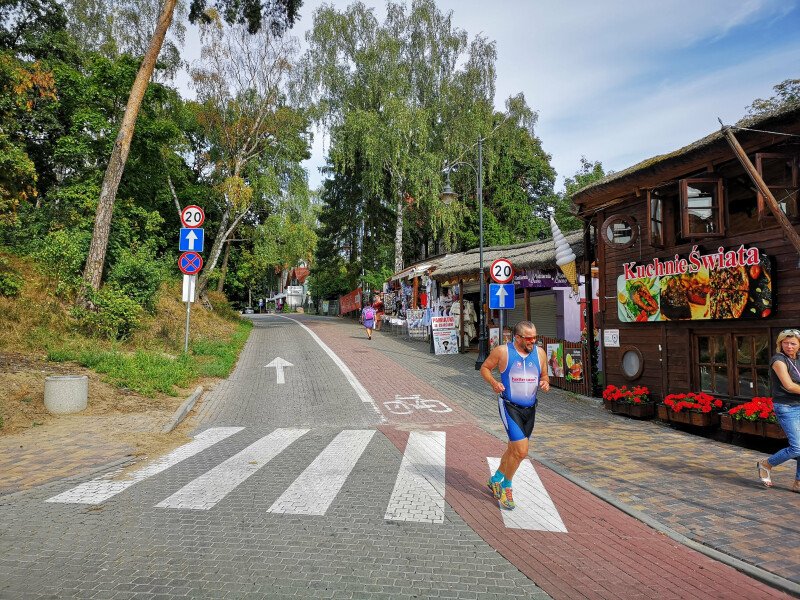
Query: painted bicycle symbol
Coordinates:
[405,405]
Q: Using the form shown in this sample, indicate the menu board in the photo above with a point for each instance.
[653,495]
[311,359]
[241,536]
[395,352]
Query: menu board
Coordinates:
[555,360]
[727,284]
[573,363]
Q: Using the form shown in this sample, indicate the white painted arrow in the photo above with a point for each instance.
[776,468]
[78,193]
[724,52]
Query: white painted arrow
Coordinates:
[279,364]
[502,293]
[191,237]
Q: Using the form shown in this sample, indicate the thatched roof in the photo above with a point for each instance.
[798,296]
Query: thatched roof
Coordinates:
[530,255]
[649,171]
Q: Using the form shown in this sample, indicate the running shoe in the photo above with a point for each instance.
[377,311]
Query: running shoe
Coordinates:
[495,489]
[507,499]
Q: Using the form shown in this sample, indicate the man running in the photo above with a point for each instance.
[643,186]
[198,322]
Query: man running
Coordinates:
[521,375]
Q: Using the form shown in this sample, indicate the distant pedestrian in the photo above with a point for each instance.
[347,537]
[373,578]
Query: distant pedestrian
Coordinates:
[784,378]
[368,319]
[523,371]
[377,304]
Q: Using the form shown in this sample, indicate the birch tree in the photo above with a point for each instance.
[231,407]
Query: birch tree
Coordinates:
[277,14]
[252,132]
[399,99]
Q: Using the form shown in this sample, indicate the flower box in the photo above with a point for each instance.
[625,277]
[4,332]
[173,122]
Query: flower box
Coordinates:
[645,410]
[689,417]
[760,428]
[634,403]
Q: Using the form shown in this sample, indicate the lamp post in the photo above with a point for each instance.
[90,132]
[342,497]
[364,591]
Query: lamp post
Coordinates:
[447,196]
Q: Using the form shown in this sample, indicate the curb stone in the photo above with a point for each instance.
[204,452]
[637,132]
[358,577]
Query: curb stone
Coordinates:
[183,410]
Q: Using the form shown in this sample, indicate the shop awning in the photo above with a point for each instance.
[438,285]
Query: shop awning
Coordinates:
[530,255]
[418,269]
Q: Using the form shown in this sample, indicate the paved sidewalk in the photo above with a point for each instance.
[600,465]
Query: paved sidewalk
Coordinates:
[702,489]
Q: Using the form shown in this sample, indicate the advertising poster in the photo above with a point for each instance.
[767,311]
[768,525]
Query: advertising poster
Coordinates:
[726,284]
[415,319]
[555,360]
[573,361]
[325,306]
[350,302]
[494,337]
[445,341]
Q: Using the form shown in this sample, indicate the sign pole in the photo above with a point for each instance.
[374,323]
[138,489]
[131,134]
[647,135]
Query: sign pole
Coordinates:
[186,337]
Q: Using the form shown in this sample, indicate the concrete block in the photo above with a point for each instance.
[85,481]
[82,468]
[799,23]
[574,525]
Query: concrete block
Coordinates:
[66,394]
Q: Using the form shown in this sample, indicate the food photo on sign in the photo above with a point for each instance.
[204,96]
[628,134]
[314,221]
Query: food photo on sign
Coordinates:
[732,284]
[573,360]
[555,362]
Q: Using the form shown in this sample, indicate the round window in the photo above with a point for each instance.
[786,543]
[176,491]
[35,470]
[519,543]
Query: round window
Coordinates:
[620,231]
[632,363]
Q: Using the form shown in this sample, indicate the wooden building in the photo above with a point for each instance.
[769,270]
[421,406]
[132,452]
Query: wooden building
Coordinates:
[698,257]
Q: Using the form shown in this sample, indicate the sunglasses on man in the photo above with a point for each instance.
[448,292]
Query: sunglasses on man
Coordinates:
[527,339]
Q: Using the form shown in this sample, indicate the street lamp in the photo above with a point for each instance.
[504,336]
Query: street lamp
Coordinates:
[447,196]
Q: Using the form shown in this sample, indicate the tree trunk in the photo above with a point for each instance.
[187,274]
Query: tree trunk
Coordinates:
[224,269]
[93,272]
[216,250]
[174,195]
[398,235]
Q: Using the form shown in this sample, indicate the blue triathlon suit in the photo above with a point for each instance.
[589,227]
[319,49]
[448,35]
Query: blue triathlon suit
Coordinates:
[517,404]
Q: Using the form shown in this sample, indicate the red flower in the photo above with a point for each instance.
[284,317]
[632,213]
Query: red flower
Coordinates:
[692,401]
[757,409]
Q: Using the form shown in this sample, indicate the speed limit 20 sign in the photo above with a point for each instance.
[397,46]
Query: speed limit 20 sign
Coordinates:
[502,271]
[192,216]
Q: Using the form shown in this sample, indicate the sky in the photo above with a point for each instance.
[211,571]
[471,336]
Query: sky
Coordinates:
[620,81]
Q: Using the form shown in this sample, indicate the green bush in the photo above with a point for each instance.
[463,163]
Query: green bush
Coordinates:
[10,281]
[61,255]
[114,316]
[222,307]
[138,275]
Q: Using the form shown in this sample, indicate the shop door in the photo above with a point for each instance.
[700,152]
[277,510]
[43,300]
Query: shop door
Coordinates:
[543,313]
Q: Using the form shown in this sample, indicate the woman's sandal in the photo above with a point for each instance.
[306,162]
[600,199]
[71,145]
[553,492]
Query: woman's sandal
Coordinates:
[763,474]
[796,487]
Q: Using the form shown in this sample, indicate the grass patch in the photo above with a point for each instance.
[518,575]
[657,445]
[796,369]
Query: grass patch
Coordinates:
[37,322]
[217,358]
[148,372]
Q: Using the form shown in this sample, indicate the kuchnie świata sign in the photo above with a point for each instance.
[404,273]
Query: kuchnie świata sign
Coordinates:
[727,283]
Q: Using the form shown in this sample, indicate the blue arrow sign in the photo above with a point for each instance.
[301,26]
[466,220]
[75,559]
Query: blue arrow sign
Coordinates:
[501,296]
[192,239]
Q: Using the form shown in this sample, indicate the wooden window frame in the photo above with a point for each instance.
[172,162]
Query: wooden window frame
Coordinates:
[763,211]
[650,200]
[697,364]
[731,363]
[753,366]
[622,352]
[619,218]
[719,202]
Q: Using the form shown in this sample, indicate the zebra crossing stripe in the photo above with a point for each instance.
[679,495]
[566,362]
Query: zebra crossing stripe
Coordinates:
[101,489]
[418,493]
[316,487]
[535,510]
[204,492]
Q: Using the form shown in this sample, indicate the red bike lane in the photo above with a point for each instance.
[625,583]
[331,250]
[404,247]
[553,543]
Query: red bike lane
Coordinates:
[604,553]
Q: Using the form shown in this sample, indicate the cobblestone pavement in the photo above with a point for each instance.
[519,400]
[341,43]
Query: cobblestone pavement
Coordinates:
[454,380]
[124,538]
[701,488]
[363,476]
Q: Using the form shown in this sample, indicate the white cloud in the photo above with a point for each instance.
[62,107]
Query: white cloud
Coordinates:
[610,79]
